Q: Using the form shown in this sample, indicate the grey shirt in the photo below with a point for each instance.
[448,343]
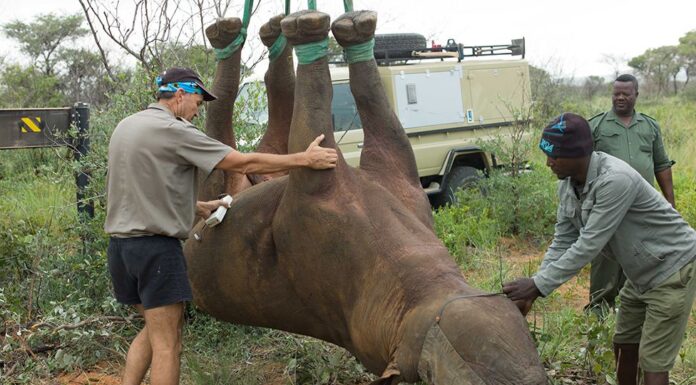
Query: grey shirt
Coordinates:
[153,163]
[618,208]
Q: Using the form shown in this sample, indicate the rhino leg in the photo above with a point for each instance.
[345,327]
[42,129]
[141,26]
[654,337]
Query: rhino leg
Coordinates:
[219,112]
[387,155]
[280,88]
[312,108]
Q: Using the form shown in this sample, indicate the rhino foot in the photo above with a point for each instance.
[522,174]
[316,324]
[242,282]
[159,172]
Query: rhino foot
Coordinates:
[354,27]
[305,27]
[270,31]
[223,31]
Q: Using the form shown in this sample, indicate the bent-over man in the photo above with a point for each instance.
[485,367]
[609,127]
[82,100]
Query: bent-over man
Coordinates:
[604,201]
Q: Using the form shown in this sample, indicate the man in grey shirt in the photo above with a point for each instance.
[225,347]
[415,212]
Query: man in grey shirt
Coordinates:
[154,158]
[604,202]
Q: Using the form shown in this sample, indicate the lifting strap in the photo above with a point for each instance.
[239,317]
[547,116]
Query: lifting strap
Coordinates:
[224,53]
[278,46]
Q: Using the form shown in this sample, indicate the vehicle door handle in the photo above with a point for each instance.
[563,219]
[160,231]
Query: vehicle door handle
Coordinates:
[360,145]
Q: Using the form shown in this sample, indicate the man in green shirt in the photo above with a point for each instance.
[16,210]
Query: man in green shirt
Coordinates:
[636,139]
[603,202]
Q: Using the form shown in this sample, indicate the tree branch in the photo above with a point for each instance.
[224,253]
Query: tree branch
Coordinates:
[105,62]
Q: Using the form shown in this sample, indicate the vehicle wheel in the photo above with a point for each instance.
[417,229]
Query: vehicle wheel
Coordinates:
[398,45]
[459,178]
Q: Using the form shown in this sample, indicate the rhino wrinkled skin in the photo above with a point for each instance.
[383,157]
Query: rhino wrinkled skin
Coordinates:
[347,255]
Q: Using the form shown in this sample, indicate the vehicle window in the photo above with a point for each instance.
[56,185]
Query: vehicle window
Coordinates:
[344,113]
[251,106]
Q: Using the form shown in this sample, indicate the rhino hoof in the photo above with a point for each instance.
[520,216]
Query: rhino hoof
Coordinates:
[270,31]
[354,27]
[305,27]
[223,31]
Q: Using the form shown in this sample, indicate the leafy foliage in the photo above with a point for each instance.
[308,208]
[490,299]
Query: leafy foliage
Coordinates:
[41,39]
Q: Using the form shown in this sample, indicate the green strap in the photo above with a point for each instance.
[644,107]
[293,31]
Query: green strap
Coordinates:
[281,42]
[312,4]
[311,52]
[224,53]
[348,5]
[360,52]
[277,48]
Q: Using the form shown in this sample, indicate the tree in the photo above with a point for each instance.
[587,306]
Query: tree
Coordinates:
[26,87]
[592,85]
[687,50]
[615,61]
[84,77]
[42,38]
[659,66]
[147,30]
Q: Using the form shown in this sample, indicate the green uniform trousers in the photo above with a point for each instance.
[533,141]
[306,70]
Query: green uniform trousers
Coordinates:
[606,280]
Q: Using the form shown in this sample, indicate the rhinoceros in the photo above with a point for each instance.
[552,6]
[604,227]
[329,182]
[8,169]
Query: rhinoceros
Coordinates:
[347,255]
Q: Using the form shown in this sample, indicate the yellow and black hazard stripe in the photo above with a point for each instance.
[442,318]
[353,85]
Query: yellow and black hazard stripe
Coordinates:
[29,124]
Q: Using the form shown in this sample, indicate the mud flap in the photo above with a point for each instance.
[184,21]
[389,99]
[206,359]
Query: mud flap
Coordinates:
[441,364]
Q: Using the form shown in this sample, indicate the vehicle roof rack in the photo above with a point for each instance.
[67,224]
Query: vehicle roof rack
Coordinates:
[451,50]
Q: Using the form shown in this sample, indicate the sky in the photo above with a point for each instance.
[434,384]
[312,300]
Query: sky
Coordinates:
[569,39]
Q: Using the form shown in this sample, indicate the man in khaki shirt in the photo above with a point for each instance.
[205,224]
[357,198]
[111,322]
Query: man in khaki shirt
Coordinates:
[154,158]
[636,139]
[604,202]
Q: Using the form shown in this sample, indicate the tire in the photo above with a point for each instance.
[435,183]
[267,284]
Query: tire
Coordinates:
[398,45]
[460,177]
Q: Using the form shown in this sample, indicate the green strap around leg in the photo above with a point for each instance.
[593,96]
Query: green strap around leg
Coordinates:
[348,5]
[277,48]
[311,52]
[224,53]
[281,42]
[360,52]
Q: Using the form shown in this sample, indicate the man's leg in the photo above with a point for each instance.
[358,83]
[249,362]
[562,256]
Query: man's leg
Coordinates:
[628,334]
[656,378]
[164,325]
[626,363]
[668,309]
[139,356]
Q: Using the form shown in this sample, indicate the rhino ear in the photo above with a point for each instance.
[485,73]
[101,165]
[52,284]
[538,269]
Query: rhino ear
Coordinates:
[390,376]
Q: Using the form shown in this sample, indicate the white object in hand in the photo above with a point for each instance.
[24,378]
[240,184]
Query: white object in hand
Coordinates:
[219,214]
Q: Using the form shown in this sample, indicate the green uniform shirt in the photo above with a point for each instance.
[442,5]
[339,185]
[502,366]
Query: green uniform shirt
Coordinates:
[639,144]
[151,180]
[616,207]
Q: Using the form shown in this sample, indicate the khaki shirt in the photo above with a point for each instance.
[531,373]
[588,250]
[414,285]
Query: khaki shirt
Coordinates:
[618,208]
[153,163]
[640,144]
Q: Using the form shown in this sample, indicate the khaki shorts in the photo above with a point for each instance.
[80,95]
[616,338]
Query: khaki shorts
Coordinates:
[657,319]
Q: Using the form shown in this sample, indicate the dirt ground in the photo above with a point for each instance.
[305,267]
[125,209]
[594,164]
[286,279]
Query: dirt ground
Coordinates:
[87,378]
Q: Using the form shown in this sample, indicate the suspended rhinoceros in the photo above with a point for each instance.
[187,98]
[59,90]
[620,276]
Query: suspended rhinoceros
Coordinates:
[347,255]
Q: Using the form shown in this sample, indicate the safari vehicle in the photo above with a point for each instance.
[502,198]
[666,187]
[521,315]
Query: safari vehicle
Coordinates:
[445,103]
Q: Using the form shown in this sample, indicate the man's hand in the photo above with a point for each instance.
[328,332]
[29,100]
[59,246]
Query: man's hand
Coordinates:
[523,292]
[319,157]
[204,209]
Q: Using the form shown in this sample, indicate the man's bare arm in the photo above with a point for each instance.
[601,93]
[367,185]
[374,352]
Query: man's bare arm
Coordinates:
[664,179]
[315,157]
